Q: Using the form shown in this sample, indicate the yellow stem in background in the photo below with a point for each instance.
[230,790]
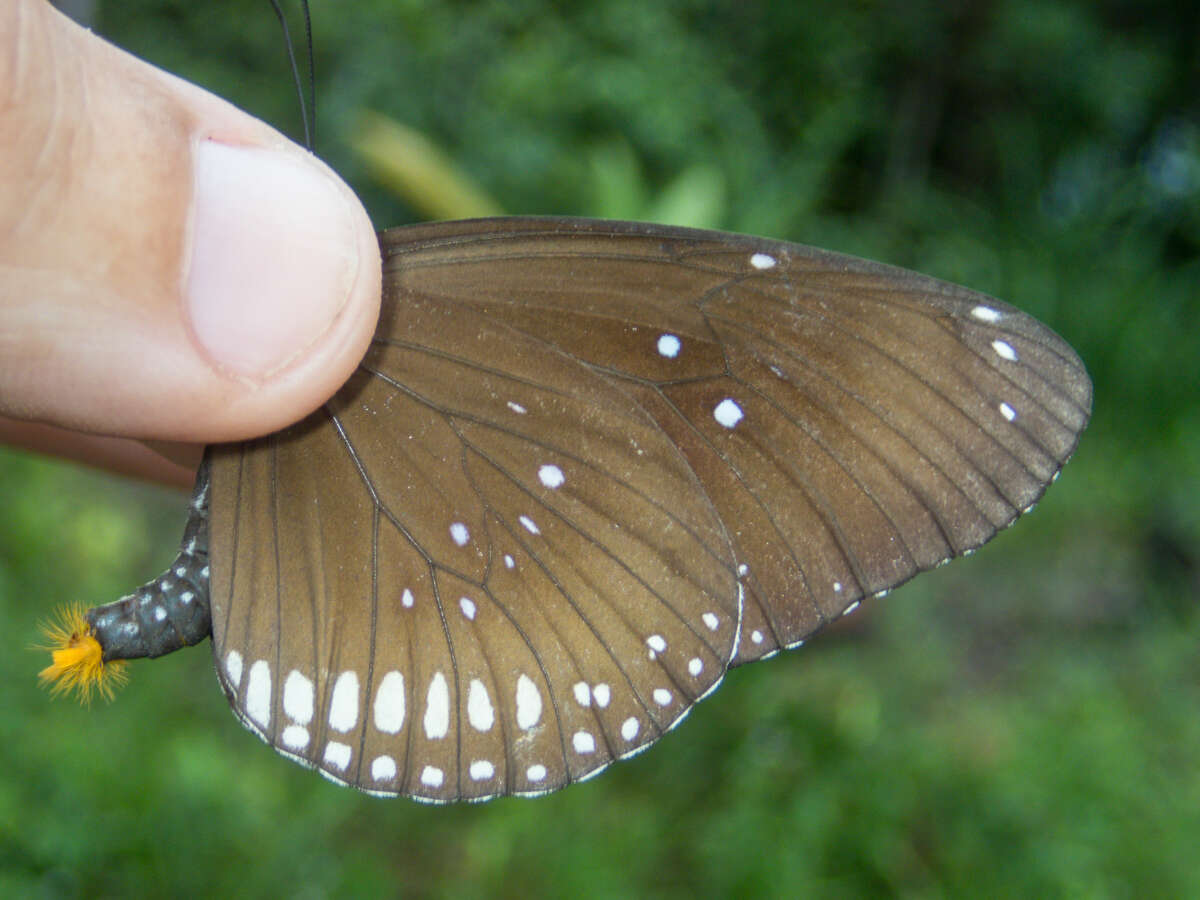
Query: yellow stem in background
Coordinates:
[415,168]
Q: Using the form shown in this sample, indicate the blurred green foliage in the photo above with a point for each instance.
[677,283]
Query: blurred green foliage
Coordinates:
[1023,723]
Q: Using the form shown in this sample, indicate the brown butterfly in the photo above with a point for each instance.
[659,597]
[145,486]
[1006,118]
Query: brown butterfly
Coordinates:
[584,468]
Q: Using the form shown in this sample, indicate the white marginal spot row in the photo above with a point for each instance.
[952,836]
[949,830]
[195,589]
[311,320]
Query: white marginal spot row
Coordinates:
[763,261]
[986,314]
[389,711]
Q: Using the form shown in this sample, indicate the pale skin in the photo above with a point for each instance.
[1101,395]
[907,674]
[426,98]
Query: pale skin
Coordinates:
[173,272]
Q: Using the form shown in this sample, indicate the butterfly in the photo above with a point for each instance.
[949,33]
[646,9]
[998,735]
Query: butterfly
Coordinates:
[584,469]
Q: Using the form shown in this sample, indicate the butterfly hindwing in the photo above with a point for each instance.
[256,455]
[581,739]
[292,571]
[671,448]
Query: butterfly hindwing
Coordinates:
[583,468]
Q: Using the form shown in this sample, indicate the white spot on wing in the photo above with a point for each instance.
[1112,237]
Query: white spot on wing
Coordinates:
[662,696]
[233,668]
[432,776]
[1004,350]
[460,534]
[986,314]
[481,770]
[530,525]
[516,407]
[509,562]
[657,644]
[295,737]
[756,636]
[1008,412]
[437,708]
[480,712]
[529,703]
[389,703]
[669,345]
[728,413]
[710,619]
[407,598]
[695,666]
[629,728]
[467,605]
[383,768]
[551,476]
[536,773]
[601,694]
[258,693]
[337,755]
[159,614]
[762,261]
[343,706]
[583,693]
[583,742]
[298,698]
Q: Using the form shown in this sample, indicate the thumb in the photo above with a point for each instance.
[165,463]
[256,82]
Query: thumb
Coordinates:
[170,268]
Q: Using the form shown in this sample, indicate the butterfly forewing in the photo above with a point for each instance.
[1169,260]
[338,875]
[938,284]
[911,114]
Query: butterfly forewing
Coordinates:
[584,467]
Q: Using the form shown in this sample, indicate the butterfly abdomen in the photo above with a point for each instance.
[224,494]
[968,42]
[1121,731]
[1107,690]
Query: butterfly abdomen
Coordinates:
[170,612]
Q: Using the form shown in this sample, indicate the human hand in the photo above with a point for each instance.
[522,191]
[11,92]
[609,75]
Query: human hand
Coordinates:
[173,272]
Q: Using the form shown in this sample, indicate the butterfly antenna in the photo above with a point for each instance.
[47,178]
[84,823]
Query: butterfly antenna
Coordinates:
[308,111]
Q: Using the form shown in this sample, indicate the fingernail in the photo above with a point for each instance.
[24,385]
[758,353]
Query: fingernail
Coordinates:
[274,256]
